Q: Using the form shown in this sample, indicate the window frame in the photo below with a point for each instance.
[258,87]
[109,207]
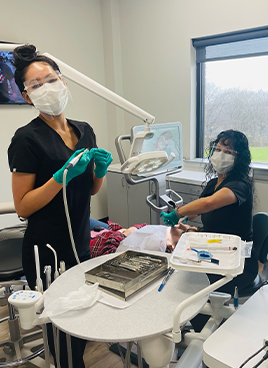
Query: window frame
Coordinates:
[200,45]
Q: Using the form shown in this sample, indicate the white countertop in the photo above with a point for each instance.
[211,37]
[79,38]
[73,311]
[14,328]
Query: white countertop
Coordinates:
[240,336]
[151,315]
[188,177]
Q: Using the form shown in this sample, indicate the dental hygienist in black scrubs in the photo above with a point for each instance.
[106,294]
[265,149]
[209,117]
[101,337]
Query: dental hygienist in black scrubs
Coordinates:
[38,154]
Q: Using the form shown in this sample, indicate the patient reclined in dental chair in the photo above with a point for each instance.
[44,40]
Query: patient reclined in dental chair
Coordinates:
[137,237]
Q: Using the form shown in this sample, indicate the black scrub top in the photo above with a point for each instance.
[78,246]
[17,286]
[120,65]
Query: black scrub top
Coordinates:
[37,148]
[235,219]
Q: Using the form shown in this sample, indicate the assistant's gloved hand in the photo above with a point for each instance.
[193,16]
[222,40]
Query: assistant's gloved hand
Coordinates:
[102,160]
[78,169]
[170,219]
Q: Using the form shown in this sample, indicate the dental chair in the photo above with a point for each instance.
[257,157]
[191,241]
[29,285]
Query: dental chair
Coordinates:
[260,247]
[18,348]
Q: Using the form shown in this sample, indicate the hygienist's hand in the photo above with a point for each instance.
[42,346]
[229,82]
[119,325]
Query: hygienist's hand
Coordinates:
[102,160]
[170,219]
[78,169]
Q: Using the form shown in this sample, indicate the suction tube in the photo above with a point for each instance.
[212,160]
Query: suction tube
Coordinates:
[72,163]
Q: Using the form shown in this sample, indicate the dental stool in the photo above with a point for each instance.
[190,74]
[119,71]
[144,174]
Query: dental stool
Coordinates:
[260,246]
[18,348]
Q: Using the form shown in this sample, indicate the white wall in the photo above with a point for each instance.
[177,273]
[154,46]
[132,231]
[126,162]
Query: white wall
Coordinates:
[140,49]
[158,60]
[156,51]
[71,31]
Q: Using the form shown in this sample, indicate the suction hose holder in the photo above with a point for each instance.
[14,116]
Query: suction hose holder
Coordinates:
[167,201]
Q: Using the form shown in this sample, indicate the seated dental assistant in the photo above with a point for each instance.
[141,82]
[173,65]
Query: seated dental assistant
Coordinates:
[226,203]
[38,155]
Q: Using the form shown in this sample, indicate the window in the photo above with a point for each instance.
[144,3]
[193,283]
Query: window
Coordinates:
[232,88]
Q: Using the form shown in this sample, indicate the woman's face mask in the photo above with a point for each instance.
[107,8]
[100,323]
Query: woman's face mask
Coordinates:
[222,162]
[50,98]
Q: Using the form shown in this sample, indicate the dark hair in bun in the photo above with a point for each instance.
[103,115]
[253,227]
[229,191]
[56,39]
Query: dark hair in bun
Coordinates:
[23,57]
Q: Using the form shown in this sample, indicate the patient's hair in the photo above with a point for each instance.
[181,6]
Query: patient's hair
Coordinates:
[23,57]
[237,141]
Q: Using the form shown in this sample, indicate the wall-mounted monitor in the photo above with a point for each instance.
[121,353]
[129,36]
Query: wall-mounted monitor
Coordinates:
[167,137]
[9,92]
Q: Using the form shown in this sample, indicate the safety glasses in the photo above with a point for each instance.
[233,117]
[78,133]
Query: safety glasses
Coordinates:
[34,84]
[224,149]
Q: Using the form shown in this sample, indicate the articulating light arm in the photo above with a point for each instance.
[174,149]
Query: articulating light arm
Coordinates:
[92,86]
[84,81]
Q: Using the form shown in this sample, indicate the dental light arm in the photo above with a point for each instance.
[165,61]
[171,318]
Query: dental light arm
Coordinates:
[89,84]
[84,81]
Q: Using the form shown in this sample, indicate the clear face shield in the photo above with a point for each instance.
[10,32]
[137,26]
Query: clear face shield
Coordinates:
[225,149]
[48,94]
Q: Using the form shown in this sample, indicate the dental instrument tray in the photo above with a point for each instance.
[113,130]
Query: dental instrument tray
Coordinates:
[128,273]
[209,253]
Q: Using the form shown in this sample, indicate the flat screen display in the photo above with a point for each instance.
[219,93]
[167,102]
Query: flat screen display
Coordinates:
[9,91]
[167,137]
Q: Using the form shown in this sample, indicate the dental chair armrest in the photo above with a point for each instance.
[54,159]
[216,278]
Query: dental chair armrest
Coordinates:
[13,282]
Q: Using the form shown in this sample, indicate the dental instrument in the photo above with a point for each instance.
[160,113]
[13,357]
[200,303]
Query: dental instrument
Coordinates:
[56,272]
[66,207]
[194,261]
[75,160]
[47,272]
[220,248]
[62,267]
[166,278]
[39,282]
[214,240]
[236,297]
[203,255]
[183,219]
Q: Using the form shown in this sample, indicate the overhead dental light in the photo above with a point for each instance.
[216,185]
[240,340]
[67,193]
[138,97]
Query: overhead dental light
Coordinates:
[146,162]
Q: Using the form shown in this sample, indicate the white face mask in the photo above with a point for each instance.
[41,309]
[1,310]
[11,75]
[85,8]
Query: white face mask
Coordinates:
[50,98]
[222,162]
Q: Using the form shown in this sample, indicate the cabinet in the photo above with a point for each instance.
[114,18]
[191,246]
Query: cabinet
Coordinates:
[127,203]
[187,183]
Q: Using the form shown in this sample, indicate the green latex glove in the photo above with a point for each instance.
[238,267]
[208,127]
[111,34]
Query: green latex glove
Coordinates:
[170,219]
[102,160]
[78,169]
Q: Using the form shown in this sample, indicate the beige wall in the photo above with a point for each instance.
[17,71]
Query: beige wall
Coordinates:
[140,49]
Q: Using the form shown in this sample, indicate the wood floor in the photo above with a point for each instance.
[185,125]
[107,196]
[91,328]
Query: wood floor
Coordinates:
[97,354]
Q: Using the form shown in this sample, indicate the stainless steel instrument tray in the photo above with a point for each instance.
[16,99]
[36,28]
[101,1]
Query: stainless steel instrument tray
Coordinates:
[127,273]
